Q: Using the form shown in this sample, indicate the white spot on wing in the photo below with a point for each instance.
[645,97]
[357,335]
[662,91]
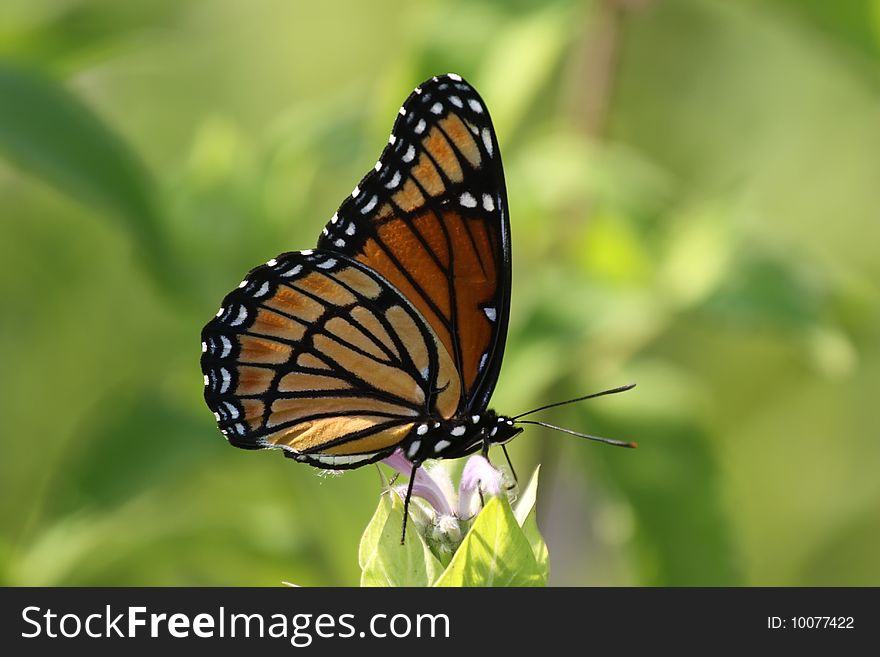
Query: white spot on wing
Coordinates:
[378,166]
[204,347]
[454,76]
[357,190]
[402,111]
[327,264]
[488,203]
[455,100]
[437,108]
[227,346]
[220,312]
[334,218]
[410,153]
[467,200]
[475,105]
[340,243]
[441,445]
[392,139]
[239,319]
[263,289]
[413,448]
[420,127]
[457,431]
[227,379]
[207,383]
[307,252]
[487,141]
[490,313]
[242,284]
[369,206]
[395,180]
[272,262]
[422,429]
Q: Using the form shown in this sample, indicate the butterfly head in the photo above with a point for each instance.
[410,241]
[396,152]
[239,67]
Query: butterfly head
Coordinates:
[501,429]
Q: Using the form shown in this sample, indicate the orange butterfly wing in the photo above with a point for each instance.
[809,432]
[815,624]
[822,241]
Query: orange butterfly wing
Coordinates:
[317,355]
[432,219]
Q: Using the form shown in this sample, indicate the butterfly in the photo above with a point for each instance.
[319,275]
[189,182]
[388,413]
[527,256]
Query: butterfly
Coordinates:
[390,334]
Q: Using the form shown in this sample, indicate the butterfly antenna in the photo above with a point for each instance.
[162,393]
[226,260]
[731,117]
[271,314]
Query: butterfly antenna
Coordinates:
[600,439]
[409,489]
[612,391]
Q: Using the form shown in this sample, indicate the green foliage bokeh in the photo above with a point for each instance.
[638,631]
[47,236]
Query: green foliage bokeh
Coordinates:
[693,197]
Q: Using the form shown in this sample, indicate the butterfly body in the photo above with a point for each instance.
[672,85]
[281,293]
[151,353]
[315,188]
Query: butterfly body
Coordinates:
[459,436]
[439,439]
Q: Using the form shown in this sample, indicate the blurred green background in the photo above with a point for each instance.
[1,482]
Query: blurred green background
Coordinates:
[694,205]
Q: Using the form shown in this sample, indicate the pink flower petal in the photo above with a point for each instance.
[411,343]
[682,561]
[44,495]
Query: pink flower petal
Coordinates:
[478,475]
[424,485]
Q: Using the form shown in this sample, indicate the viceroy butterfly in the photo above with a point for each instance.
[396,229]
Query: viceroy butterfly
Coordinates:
[390,333]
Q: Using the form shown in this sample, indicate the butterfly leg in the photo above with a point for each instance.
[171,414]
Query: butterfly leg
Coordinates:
[510,465]
[409,489]
[485,453]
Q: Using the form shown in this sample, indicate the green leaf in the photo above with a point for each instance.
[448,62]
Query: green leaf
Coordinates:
[47,131]
[673,481]
[495,552]
[527,516]
[384,561]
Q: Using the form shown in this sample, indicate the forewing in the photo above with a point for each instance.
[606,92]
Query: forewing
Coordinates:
[432,218]
[317,355]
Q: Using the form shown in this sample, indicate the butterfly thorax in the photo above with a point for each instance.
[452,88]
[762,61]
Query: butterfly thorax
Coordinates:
[458,436]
